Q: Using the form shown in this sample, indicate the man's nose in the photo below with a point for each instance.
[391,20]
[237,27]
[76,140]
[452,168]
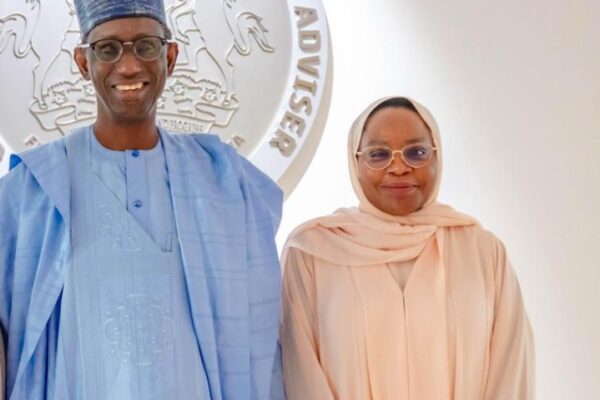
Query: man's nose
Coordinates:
[129,64]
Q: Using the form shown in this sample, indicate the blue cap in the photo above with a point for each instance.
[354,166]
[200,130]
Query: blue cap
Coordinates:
[92,13]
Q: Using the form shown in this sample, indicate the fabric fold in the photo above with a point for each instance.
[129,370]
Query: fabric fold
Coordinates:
[220,258]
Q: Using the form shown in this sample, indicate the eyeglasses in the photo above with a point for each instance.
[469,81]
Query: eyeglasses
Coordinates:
[146,48]
[380,157]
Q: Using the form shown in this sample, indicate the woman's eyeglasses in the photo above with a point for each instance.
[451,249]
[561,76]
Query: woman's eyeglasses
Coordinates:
[380,157]
[147,48]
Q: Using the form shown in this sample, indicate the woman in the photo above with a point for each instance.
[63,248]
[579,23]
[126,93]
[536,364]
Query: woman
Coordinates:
[402,297]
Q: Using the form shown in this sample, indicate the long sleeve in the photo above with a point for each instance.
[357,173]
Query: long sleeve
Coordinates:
[511,372]
[263,217]
[304,378]
[7,222]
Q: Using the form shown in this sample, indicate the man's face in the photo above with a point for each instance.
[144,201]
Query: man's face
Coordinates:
[127,90]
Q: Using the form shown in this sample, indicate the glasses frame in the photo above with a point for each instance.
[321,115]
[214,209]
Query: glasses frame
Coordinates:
[401,151]
[131,43]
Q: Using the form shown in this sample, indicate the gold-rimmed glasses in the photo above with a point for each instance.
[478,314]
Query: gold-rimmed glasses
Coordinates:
[414,155]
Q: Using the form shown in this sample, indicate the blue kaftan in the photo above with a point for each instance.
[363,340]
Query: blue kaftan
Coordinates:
[98,300]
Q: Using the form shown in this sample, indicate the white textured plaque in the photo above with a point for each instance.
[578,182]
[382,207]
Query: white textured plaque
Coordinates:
[255,72]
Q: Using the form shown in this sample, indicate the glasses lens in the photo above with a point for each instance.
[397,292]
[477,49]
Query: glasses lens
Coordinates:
[417,155]
[377,157]
[148,48]
[107,50]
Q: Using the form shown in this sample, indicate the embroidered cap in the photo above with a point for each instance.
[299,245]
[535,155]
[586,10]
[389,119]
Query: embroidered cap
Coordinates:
[95,12]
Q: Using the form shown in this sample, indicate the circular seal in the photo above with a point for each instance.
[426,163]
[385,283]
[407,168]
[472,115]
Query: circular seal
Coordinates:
[255,72]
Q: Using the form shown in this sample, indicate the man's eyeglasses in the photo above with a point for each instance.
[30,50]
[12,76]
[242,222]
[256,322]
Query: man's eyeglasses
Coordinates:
[147,48]
[380,157]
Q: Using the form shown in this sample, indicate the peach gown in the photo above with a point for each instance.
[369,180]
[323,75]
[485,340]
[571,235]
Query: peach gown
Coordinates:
[420,307]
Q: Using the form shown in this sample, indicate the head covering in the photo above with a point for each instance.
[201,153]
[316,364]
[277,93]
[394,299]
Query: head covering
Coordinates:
[354,138]
[366,235]
[92,13]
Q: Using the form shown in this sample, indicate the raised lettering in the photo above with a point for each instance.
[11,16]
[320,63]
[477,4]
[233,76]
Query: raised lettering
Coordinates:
[284,142]
[294,123]
[301,84]
[307,16]
[236,141]
[309,65]
[302,103]
[310,41]
[32,141]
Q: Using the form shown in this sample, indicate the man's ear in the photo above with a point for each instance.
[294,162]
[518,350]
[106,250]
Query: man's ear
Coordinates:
[172,52]
[82,62]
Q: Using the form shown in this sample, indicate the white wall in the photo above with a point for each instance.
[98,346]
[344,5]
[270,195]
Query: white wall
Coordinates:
[515,86]
[4,156]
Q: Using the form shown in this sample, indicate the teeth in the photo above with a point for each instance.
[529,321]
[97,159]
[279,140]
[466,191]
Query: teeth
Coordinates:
[126,88]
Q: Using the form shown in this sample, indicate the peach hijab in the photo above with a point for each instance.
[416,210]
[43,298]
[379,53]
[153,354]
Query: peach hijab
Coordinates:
[365,235]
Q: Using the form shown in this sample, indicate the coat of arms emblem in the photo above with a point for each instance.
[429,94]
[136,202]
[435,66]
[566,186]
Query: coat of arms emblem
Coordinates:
[256,72]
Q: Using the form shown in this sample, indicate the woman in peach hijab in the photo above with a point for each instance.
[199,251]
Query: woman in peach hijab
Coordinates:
[402,298]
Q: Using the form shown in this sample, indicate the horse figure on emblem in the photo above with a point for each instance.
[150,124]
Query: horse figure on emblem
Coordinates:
[203,84]
[244,26]
[20,25]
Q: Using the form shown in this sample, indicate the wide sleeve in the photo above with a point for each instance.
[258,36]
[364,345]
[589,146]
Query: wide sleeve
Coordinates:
[8,201]
[263,213]
[511,372]
[303,376]
[265,193]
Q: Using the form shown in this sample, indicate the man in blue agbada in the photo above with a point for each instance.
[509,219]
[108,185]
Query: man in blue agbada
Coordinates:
[135,264]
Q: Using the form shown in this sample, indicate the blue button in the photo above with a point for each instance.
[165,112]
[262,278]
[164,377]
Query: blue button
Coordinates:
[137,203]
[135,153]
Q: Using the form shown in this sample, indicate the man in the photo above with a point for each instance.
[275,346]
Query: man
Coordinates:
[135,264]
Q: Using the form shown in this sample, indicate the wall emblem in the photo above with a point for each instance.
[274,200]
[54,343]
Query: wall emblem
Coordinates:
[255,72]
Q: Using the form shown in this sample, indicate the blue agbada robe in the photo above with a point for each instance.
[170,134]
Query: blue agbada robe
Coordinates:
[124,309]
[226,214]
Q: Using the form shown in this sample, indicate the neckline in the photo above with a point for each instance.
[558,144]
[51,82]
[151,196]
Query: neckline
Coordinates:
[118,155]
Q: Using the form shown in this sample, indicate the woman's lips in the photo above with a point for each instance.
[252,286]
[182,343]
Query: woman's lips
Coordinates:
[400,189]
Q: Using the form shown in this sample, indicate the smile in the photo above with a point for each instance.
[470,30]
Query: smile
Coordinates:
[129,88]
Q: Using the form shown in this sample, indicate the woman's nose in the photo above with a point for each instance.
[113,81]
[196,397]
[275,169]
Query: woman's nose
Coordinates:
[397,164]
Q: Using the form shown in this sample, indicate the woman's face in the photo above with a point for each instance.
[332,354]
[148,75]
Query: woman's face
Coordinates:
[397,189]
